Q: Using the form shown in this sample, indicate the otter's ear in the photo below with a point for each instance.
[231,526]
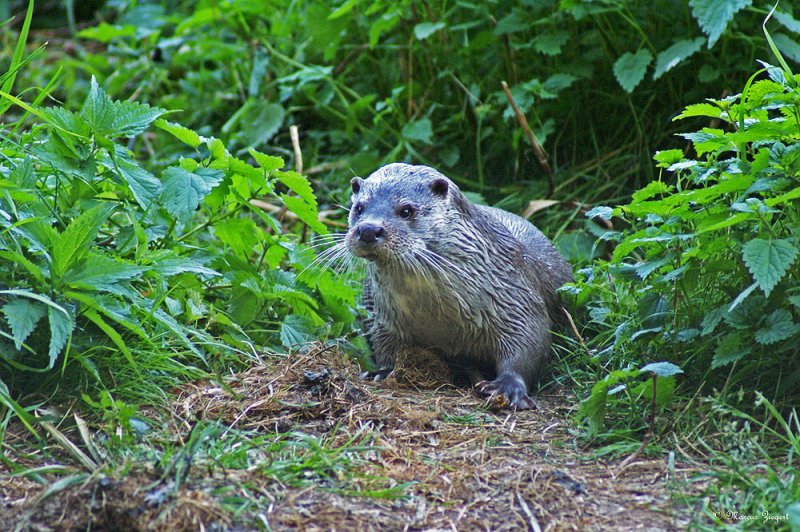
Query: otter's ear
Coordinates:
[440,187]
[356,183]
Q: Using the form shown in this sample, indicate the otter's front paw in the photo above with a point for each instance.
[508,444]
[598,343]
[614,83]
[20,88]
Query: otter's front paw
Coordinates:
[510,387]
[377,375]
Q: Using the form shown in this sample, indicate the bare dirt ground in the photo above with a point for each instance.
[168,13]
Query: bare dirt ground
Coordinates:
[468,467]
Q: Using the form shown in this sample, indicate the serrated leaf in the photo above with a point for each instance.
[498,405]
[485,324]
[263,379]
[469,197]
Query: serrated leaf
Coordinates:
[515,21]
[113,119]
[713,16]
[298,184]
[768,261]
[98,272]
[131,118]
[183,134]
[630,68]
[255,122]
[700,109]
[143,185]
[662,369]
[305,211]
[779,326]
[61,325]
[183,190]
[712,319]
[22,174]
[675,54]
[69,121]
[71,246]
[240,234]
[269,163]
[22,316]
[423,30]
[728,351]
[666,158]
[551,42]
[653,188]
[297,331]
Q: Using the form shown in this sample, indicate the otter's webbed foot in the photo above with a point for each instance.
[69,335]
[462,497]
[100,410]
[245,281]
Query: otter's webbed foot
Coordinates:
[511,387]
[377,375]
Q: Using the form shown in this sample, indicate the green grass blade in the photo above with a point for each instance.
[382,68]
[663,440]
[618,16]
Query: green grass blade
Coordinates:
[19,50]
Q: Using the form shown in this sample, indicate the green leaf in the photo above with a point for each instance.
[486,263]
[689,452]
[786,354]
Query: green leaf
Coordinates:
[593,408]
[713,16]
[305,211]
[112,334]
[423,30]
[71,246]
[98,272]
[105,32]
[269,163]
[779,326]
[788,46]
[728,351]
[630,68]
[343,9]
[712,319]
[788,21]
[22,316]
[768,261]
[675,54]
[20,260]
[183,134]
[517,20]
[257,121]
[700,109]
[793,511]
[662,369]
[667,158]
[298,184]
[183,190]
[240,234]
[113,119]
[420,130]
[131,118]
[61,325]
[297,331]
[144,186]
[551,42]
[654,188]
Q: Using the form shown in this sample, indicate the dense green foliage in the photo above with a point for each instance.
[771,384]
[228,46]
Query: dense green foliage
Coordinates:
[151,231]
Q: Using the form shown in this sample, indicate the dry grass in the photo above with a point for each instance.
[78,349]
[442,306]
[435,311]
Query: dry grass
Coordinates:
[468,467]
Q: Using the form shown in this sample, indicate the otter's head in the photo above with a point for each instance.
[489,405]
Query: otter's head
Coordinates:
[399,213]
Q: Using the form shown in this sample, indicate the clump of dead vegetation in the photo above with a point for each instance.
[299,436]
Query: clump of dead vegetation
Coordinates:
[320,448]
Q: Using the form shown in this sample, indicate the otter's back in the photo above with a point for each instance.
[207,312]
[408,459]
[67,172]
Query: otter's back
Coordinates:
[534,241]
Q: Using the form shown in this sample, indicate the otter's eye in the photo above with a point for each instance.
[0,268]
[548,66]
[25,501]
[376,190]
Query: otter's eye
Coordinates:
[406,211]
[358,209]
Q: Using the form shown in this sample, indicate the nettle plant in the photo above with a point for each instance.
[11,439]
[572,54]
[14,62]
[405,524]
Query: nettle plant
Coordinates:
[103,260]
[706,274]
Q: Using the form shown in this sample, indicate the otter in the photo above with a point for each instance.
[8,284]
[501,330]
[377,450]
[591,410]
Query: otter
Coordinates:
[475,284]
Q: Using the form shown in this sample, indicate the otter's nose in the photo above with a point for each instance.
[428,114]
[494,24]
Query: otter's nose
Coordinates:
[370,233]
